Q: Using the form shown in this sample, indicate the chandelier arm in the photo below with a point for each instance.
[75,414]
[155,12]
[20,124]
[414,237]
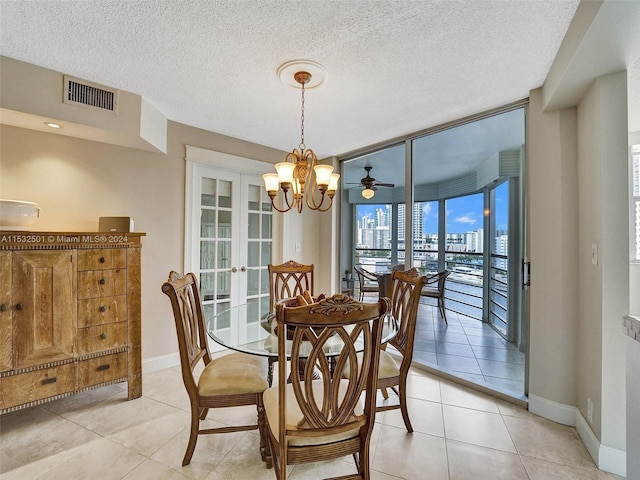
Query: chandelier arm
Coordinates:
[286,201]
[278,209]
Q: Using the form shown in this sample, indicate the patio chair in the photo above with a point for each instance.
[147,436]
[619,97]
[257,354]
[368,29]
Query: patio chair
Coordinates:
[367,280]
[434,288]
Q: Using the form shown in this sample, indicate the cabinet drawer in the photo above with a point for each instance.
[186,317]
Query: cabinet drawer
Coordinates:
[102,283]
[36,385]
[101,338]
[102,259]
[101,310]
[102,369]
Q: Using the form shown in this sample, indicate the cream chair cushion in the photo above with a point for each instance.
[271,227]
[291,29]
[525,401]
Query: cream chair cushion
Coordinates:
[294,414]
[232,374]
[388,366]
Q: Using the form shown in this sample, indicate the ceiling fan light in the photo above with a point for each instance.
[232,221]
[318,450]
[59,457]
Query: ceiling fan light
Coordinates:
[368,193]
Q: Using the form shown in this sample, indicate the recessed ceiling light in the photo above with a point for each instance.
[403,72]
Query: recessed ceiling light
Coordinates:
[53,125]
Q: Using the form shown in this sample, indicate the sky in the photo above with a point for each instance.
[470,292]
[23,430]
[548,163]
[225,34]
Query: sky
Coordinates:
[464,214]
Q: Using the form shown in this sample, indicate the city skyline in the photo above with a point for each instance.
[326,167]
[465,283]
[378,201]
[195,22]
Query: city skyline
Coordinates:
[464,214]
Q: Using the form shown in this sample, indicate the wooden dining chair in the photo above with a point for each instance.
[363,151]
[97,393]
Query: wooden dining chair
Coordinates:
[367,281]
[434,288]
[404,291]
[232,380]
[313,420]
[288,280]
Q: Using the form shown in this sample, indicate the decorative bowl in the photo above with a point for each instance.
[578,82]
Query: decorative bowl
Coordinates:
[17,215]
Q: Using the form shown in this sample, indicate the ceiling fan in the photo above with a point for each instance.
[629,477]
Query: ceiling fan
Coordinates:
[370,184]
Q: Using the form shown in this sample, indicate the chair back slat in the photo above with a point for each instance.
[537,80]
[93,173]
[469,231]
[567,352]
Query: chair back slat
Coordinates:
[330,403]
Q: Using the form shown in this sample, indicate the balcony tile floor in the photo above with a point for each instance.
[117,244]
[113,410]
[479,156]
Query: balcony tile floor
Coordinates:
[468,349]
[460,434]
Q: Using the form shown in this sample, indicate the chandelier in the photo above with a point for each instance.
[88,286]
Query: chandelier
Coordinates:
[300,177]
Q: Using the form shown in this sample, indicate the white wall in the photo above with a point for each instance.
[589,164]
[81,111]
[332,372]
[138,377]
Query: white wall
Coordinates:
[76,181]
[603,220]
[552,202]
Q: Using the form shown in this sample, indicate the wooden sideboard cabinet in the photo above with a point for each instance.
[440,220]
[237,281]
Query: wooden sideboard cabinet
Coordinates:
[70,315]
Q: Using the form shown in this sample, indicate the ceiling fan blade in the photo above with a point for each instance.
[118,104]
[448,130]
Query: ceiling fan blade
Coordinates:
[379,184]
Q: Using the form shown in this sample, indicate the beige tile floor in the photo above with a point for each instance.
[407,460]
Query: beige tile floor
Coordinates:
[460,434]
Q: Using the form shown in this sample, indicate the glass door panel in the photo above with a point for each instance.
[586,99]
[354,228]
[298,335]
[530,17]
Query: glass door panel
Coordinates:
[230,243]
[499,272]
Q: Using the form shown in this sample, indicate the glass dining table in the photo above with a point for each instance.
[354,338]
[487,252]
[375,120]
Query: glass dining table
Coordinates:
[252,333]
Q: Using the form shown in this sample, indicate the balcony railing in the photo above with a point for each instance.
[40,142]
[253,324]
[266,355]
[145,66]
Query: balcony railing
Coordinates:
[464,286]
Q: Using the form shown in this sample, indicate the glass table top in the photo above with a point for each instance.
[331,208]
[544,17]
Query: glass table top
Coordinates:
[251,333]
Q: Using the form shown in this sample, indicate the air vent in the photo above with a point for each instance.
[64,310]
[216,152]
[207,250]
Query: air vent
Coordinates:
[87,94]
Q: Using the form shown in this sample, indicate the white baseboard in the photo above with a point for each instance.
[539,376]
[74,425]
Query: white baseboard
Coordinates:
[555,411]
[606,458]
[160,363]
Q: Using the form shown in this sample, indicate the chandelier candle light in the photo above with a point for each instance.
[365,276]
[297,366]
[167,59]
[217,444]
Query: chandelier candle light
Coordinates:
[300,173]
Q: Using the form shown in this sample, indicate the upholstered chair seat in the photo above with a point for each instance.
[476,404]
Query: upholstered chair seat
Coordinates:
[234,374]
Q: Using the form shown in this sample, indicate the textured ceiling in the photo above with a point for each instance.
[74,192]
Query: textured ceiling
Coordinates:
[394,67]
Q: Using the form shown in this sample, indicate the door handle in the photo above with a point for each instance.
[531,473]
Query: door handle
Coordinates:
[234,269]
[243,269]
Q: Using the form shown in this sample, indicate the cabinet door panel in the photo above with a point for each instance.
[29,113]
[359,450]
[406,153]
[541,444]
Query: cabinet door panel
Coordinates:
[43,305]
[6,355]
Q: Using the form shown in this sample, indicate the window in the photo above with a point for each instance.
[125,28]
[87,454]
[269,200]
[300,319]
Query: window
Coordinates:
[373,236]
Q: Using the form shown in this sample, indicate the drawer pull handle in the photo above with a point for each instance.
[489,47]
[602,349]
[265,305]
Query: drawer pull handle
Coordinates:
[19,306]
[103,308]
[49,380]
[103,367]
[102,260]
[103,336]
[4,307]
[102,282]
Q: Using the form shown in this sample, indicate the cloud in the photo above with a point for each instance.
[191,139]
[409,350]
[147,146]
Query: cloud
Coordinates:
[465,219]
[426,208]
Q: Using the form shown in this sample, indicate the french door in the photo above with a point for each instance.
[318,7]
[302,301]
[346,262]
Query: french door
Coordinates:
[228,244]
